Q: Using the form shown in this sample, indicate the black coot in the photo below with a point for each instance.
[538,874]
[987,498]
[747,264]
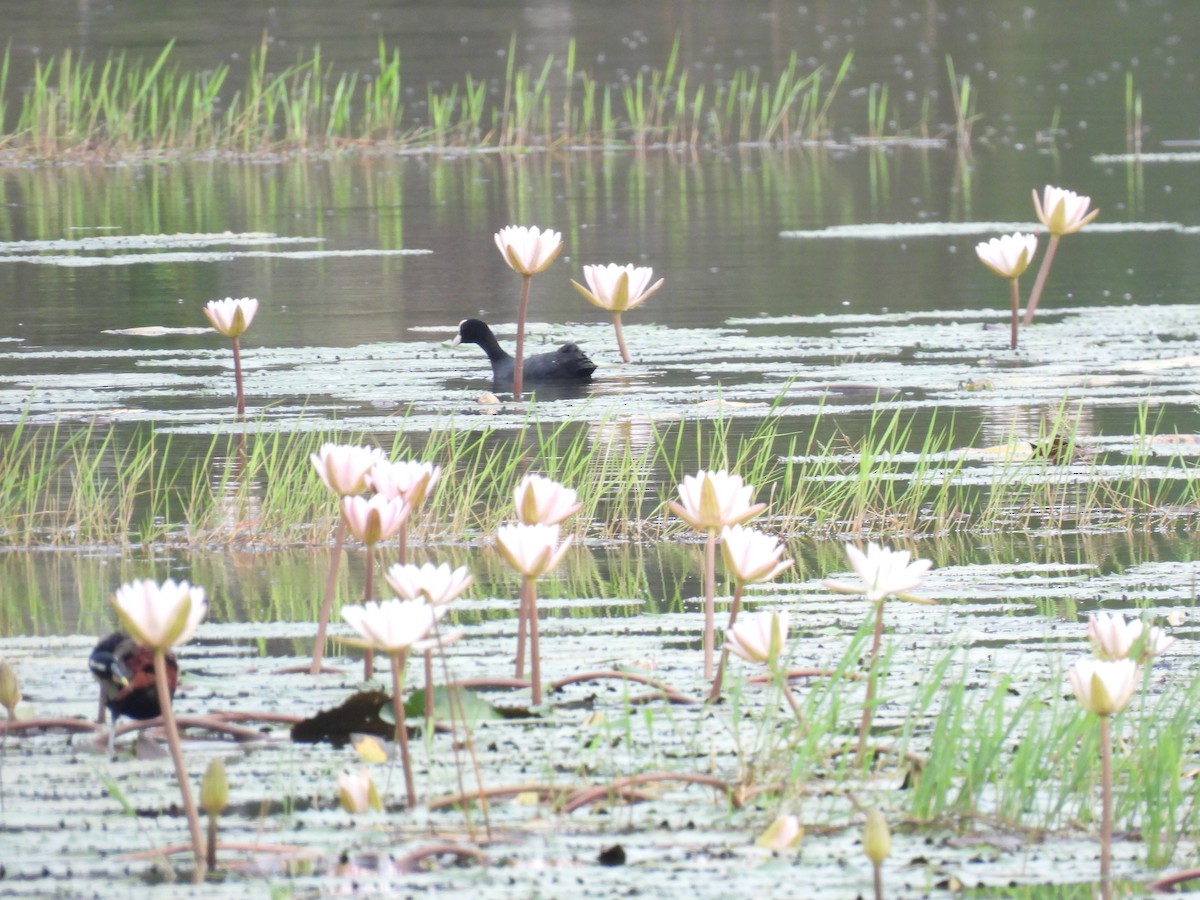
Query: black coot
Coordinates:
[567,363]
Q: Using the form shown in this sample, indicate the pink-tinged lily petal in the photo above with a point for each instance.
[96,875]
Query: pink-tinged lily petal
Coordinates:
[1008,256]
[343,468]
[528,250]
[393,625]
[374,520]
[357,792]
[409,480]
[541,501]
[759,637]
[883,572]
[1112,637]
[532,550]
[1104,686]
[617,288]
[708,501]
[1063,211]
[160,616]
[785,833]
[231,317]
[751,556]
[438,585]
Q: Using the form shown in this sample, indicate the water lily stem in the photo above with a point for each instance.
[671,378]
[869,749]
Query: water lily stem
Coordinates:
[535,655]
[368,589]
[522,622]
[458,712]
[399,659]
[237,379]
[620,337]
[710,589]
[733,611]
[429,684]
[1106,814]
[185,788]
[868,713]
[1036,294]
[335,558]
[790,696]
[1016,313]
[878,867]
[519,364]
[211,857]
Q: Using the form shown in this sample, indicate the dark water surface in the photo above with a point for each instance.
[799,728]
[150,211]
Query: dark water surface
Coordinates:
[365,263]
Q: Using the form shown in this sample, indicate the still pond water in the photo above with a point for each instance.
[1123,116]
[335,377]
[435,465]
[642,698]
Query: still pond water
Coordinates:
[779,287]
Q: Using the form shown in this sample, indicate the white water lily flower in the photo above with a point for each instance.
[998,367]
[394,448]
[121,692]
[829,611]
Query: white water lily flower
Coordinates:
[1104,686]
[617,288]
[393,625]
[758,638]
[410,480]
[541,501]
[883,572]
[752,557]
[343,468]
[374,520]
[528,250]
[708,501]
[1063,211]
[231,317]
[784,833]
[437,584]
[160,616]
[1008,256]
[533,550]
[357,793]
[1112,637]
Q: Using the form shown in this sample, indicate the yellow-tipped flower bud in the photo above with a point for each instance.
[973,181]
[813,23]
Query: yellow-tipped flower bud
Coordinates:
[877,838]
[214,788]
[785,833]
[10,689]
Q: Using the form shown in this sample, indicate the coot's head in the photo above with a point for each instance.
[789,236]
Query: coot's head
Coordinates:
[473,331]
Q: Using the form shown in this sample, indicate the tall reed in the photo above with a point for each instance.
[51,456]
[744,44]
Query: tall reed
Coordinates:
[118,485]
[126,106]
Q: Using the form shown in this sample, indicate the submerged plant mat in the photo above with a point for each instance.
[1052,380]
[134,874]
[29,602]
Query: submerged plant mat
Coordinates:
[63,830]
[947,360]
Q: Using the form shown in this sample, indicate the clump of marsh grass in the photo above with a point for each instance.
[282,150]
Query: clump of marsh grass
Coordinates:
[123,486]
[126,106]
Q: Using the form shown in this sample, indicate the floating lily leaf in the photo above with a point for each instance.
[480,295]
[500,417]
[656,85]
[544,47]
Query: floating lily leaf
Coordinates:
[474,707]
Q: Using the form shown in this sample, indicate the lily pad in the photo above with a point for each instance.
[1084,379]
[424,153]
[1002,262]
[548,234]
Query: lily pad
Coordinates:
[474,707]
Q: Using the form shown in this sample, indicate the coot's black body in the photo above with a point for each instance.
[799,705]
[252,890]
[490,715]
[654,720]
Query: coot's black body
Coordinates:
[566,364]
